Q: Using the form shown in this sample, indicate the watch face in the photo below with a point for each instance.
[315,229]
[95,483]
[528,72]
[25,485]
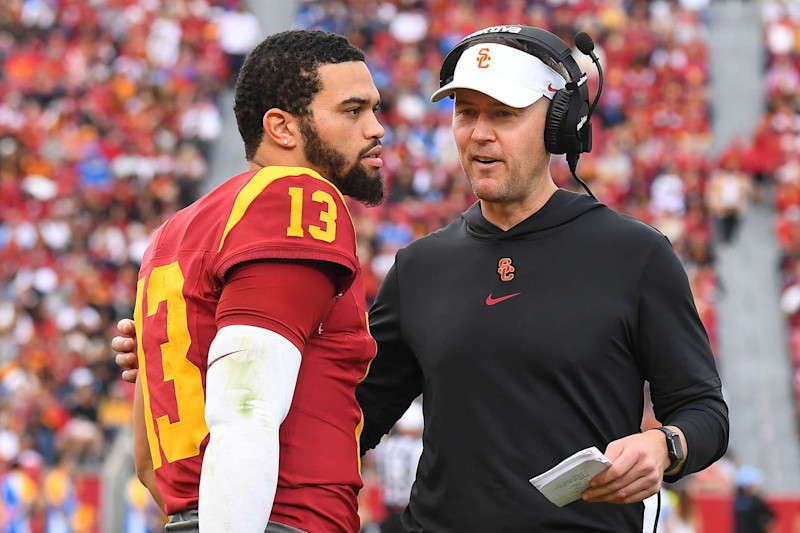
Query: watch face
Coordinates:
[674,448]
[675,439]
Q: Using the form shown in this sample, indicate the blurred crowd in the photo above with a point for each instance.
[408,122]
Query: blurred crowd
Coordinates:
[108,109]
[776,148]
[107,112]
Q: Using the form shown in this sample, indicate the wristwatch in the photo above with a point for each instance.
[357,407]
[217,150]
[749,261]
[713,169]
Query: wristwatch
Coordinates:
[674,448]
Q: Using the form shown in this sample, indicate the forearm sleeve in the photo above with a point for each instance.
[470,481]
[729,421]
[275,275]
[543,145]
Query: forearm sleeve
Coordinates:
[250,382]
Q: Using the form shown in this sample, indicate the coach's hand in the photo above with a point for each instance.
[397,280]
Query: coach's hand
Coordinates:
[125,346]
[639,462]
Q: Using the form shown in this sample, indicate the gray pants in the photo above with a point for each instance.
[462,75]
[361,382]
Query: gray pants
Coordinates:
[187,522]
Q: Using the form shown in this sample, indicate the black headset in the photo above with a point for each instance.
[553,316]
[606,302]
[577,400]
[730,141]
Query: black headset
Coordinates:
[567,129]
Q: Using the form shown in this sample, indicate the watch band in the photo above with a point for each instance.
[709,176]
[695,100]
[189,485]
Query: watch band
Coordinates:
[674,447]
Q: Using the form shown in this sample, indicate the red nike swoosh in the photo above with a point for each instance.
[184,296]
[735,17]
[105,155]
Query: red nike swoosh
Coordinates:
[222,357]
[492,301]
[550,88]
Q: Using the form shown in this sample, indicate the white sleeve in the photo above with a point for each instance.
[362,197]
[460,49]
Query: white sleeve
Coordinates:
[250,382]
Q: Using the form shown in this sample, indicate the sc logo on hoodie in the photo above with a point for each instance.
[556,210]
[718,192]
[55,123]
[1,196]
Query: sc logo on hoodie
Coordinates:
[505,269]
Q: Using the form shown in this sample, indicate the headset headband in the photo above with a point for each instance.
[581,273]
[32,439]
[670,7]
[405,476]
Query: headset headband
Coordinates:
[542,40]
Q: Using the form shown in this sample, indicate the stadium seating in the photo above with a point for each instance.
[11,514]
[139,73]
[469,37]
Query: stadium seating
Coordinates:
[775,155]
[106,112]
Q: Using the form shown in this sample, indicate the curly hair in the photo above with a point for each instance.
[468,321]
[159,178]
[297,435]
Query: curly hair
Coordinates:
[281,72]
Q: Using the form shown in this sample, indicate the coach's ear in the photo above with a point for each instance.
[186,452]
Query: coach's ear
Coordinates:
[281,128]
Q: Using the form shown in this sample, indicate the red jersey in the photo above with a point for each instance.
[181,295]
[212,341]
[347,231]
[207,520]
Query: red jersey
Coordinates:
[273,213]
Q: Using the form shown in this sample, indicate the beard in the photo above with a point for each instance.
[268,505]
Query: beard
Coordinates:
[356,181]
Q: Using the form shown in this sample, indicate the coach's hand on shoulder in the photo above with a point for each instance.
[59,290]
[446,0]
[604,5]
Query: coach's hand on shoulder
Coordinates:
[125,346]
[639,462]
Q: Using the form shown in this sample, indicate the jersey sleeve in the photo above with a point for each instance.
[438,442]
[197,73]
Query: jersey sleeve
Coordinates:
[301,294]
[287,213]
[676,359]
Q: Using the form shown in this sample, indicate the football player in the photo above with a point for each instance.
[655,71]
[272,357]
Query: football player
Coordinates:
[250,318]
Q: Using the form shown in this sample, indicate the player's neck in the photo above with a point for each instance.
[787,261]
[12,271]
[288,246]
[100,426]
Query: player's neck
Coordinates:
[267,156]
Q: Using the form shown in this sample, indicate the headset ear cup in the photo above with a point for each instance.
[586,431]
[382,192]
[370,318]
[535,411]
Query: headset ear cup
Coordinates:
[556,116]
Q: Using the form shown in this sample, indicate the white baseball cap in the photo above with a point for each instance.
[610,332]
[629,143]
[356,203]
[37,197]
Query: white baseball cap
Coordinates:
[511,76]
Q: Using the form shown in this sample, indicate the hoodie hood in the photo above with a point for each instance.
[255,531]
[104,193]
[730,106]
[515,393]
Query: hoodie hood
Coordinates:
[563,207]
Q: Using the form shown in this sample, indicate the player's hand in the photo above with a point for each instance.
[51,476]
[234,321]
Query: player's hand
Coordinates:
[639,462]
[125,346]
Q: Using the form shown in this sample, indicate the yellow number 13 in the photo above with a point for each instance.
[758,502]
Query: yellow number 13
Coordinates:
[179,438]
[328,217]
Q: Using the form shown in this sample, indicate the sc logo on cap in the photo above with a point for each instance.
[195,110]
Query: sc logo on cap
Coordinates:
[483,58]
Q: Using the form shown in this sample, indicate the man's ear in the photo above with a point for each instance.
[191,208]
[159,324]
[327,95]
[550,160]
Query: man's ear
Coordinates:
[281,128]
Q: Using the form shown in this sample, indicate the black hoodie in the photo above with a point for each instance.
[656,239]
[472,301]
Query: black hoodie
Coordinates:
[529,345]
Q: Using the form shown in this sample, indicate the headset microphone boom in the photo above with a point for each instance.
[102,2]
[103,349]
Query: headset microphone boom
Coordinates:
[584,43]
